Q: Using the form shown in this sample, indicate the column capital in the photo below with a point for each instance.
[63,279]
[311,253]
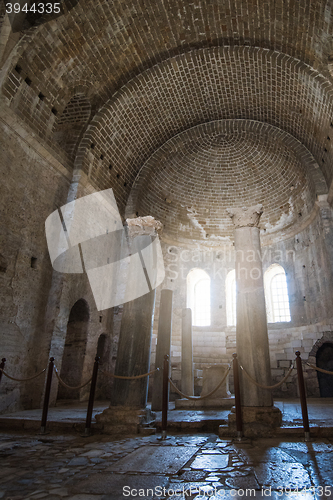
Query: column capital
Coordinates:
[246,217]
[144,226]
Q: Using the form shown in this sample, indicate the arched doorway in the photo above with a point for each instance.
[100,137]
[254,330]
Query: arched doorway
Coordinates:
[75,350]
[324,358]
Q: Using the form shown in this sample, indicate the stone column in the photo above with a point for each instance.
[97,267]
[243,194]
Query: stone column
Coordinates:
[129,397]
[251,329]
[187,381]
[163,346]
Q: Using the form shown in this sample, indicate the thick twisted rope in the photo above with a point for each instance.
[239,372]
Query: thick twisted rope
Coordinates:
[22,379]
[198,398]
[318,369]
[61,382]
[111,375]
[268,387]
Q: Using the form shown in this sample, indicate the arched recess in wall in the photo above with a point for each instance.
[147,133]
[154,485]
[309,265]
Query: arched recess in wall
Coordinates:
[230,293]
[75,350]
[198,296]
[324,360]
[71,125]
[276,294]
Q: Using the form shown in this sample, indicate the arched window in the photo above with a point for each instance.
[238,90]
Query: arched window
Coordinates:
[276,292]
[230,290]
[198,296]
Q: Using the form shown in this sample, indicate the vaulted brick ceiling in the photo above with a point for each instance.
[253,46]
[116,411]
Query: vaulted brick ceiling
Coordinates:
[155,69]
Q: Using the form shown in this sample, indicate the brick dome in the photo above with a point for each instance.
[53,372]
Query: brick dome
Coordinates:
[193,178]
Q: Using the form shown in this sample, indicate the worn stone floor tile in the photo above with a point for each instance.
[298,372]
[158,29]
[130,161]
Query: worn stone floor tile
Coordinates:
[211,452]
[275,475]
[192,475]
[242,482]
[168,459]
[208,462]
[62,492]
[86,497]
[190,488]
[321,468]
[77,461]
[92,453]
[117,484]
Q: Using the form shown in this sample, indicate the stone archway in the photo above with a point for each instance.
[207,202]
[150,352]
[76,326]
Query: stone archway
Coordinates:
[324,359]
[75,350]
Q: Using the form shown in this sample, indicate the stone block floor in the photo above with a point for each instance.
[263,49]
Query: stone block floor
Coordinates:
[185,466]
[200,465]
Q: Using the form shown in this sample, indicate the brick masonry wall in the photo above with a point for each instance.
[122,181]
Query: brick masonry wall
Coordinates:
[189,182]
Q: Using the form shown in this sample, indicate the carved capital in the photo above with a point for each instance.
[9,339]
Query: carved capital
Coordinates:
[246,217]
[144,226]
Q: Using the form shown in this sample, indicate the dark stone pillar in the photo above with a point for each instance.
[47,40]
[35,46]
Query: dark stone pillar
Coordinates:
[163,346]
[128,412]
[134,352]
[187,353]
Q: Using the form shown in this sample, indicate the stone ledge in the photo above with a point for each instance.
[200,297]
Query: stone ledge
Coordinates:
[204,403]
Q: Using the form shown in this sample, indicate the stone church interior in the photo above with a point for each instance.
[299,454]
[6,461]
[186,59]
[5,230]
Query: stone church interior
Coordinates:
[209,124]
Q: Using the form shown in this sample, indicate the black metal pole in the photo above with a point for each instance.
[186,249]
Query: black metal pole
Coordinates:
[165,397]
[239,423]
[47,396]
[87,430]
[2,366]
[302,395]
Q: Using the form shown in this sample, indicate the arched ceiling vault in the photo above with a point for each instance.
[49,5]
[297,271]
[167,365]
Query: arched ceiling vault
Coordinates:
[199,87]
[104,43]
[191,181]
[157,68]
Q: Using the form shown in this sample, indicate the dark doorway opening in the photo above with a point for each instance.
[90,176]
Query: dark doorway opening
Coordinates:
[324,359]
[75,350]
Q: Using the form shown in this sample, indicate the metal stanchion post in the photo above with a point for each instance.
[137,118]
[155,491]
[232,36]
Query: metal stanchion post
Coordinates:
[47,396]
[165,397]
[302,395]
[87,430]
[239,423]
[2,366]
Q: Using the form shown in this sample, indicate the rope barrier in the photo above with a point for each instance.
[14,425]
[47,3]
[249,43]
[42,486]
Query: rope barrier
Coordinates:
[198,398]
[268,387]
[111,375]
[22,379]
[318,369]
[61,382]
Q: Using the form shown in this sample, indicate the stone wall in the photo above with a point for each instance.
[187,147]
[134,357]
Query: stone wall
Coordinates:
[32,186]
[36,300]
